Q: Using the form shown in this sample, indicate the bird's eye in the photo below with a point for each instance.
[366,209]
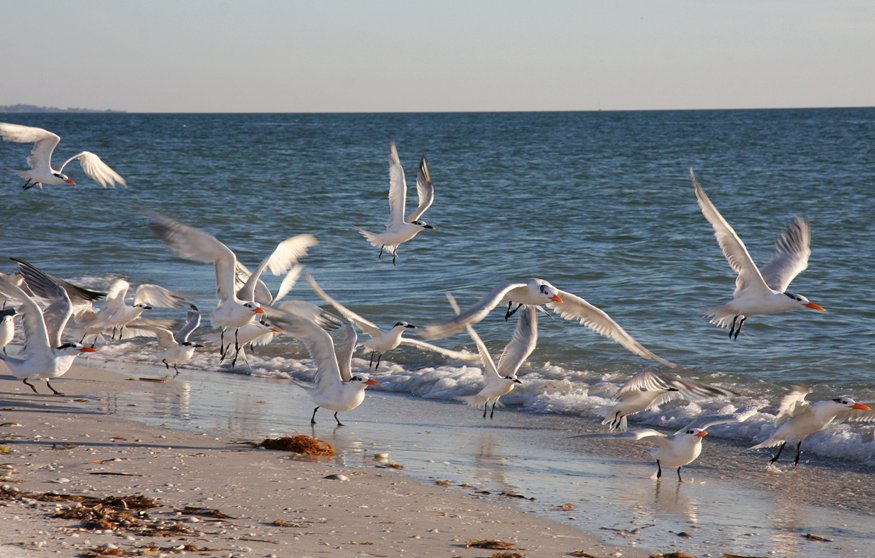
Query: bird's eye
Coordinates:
[691,432]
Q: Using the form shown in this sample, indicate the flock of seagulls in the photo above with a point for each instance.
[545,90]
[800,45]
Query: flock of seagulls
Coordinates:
[247,313]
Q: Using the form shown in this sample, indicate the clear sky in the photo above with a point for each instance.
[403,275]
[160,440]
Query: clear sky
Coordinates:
[472,55]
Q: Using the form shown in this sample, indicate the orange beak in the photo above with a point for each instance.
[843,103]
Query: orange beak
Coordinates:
[68,181]
[860,407]
[702,434]
[372,383]
[556,298]
[815,307]
[87,350]
[276,330]
[259,310]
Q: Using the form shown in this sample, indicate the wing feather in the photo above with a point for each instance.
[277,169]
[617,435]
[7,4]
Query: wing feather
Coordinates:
[470,316]
[96,169]
[521,345]
[397,187]
[792,250]
[44,143]
[425,190]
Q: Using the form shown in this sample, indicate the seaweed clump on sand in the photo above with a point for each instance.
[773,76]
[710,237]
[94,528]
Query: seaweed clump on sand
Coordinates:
[303,444]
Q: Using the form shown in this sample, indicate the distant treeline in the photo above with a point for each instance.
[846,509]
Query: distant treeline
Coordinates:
[35,108]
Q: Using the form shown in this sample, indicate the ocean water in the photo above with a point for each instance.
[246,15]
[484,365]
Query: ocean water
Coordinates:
[598,203]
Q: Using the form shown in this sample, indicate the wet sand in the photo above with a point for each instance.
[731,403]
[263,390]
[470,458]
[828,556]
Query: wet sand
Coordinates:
[520,475]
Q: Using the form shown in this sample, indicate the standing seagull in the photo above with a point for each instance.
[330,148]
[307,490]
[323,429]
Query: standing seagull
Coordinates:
[798,419]
[176,346]
[381,342]
[44,355]
[336,388]
[234,309]
[500,380]
[398,229]
[7,327]
[116,314]
[758,291]
[684,446]
[40,159]
[648,390]
[537,292]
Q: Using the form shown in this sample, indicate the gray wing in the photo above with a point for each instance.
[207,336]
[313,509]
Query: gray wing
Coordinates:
[279,261]
[425,190]
[628,435]
[708,421]
[521,345]
[58,312]
[78,295]
[241,278]
[96,169]
[471,315]
[344,349]
[690,389]
[192,322]
[155,295]
[397,187]
[317,342]
[791,255]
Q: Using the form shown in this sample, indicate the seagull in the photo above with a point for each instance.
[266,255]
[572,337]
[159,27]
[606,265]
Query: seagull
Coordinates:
[256,333]
[235,309]
[798,419]
[7,327]
[381,342]
[500,380]
[116,314]
[684,446]
[176,346]
[40,159]
[336,388]
[537,292]
[82,299]
[44,355]
[758,291]
[648,390]
[398,229]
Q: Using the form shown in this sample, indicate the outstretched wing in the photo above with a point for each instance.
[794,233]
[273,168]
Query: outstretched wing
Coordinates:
[734,250]
[521,345]
[35,332]
[465,356]
[192,322]
[471,315]
[44,143]
[490,371]
[791,255]
[155,295]
[56,315]
[574,307]
[317,342]
[344,349]
[397,187]
[279,261]
[369,327]
[689,389]
[425,190]
[793,403]
[96,169]
[706,422]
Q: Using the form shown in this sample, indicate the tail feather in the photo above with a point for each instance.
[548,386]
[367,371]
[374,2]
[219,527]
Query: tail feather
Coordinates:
[767,443]
[373,238]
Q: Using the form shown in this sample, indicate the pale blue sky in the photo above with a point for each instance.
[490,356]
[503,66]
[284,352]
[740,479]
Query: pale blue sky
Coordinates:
[392,55]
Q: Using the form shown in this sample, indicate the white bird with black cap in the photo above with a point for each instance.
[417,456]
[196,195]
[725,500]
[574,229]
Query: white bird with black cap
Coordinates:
[398,228]
[45,356]
[40,159]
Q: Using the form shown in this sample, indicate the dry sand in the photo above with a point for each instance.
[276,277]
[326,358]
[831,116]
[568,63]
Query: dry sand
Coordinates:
[279,505]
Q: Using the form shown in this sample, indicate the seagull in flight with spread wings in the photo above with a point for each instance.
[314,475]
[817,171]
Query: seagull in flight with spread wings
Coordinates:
[537,292]
[758,291]
[398,229]
[40,159]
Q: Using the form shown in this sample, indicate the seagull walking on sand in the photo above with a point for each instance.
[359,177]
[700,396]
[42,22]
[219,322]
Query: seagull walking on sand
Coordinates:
[681,448]
[176,345]
[40,159]
[398,229]
[336,388]
[381,342]
[648,390]
[538,292]
[234,309]
[758,291]
[44,355]
[500,380]
[797,419]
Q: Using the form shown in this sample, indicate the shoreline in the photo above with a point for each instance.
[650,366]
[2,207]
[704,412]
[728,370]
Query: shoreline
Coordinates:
[57,446]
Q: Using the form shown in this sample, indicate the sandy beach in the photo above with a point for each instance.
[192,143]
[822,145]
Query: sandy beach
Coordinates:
[278,504]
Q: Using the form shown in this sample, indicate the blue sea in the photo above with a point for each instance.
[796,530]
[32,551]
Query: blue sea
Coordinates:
[598,203]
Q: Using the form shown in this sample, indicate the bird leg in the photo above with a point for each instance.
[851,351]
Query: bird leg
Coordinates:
[732,327]
[30,385]
[56,392]
[177,370]
[679,475]
[492,413]
[222,344]
[337,419]
[379,358]
[27,185]
[510,312]
[741,323]
[780,449]
[380,256]
[394,255]
[798,453]
[658,469]
[371,362]
[313,418]
[485,407]
[167,366]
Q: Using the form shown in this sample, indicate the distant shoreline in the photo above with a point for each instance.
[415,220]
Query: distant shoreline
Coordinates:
[26,109]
